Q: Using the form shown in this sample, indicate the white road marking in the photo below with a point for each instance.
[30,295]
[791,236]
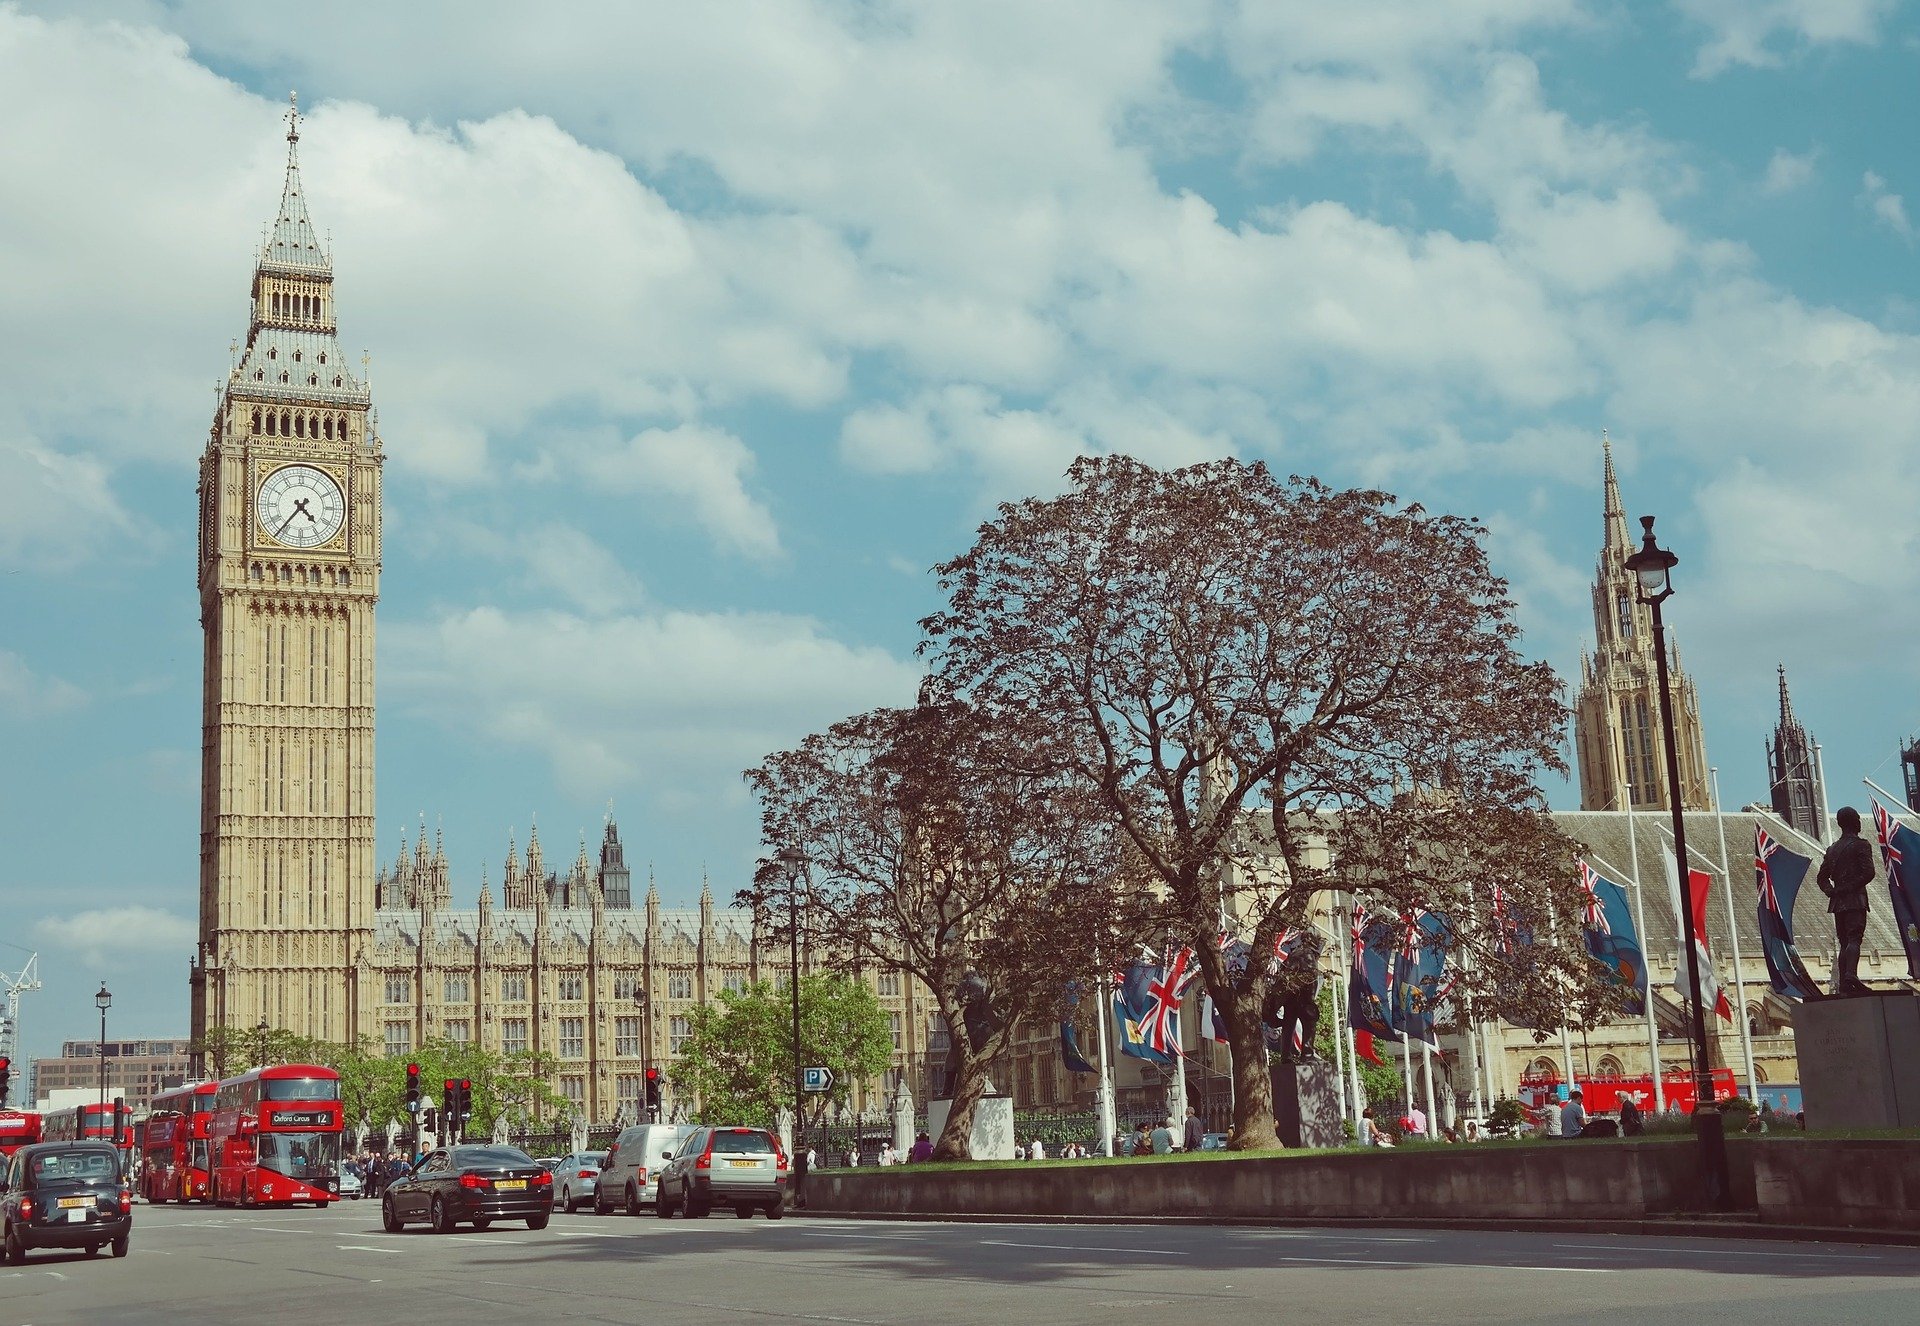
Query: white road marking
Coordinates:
[364,1247]
[1731,1252]
[1082,1247]
[469,1238]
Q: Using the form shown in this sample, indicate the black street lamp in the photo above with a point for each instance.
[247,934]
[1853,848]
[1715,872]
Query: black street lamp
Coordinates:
[103,1001]
[646,1050]
[794,862]
[260,1043]
[1653,567]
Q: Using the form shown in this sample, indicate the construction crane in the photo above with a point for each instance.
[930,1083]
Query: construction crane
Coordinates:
[27,981]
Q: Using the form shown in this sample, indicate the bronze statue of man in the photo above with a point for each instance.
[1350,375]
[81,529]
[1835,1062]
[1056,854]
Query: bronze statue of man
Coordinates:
[1845,873]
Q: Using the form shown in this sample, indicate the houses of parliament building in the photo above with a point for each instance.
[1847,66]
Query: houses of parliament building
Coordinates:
[300,928]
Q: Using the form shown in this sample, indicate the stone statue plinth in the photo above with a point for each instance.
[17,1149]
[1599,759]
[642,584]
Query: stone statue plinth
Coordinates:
[1306,1108]
[992,1126]
[1859,1061]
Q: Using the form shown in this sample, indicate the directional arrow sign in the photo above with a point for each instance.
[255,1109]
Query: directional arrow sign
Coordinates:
[816,1079]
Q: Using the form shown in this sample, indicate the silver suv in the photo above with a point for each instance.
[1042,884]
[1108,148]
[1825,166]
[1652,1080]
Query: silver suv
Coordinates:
[633,1165]
[738,1167]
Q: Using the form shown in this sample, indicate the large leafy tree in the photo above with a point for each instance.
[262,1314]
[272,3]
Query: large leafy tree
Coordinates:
[954,847]
[737,1060]
[1276,690]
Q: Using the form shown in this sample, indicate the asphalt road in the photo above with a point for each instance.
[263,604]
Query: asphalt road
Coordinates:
[338,1266]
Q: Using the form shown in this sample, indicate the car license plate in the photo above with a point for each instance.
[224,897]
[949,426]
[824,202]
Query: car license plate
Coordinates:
[744,1164]
[511,1183]
[77,1216]
[69,1203]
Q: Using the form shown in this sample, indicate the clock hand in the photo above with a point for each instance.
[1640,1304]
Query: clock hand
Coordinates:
[288,521]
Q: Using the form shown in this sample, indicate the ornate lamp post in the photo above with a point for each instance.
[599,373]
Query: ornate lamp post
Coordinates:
[1653,566]
[794,863]
[646,1050]
[103,1001]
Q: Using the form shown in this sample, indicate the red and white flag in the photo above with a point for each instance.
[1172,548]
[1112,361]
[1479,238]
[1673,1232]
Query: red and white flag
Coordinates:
[1699,884]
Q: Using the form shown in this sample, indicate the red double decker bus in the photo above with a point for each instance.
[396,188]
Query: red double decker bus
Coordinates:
[95,1123]
[176,1166]
[17,1129]
[274,1138]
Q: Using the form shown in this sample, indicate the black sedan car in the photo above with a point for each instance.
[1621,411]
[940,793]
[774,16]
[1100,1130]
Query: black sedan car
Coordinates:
[64,1195]
[474,1185]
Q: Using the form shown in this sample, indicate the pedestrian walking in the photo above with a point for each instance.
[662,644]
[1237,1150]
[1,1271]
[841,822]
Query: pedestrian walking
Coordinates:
[1845,873]
[1194,1134]
[1037,1151]
[1417,1122]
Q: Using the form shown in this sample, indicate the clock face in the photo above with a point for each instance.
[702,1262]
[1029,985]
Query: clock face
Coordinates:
[300,506]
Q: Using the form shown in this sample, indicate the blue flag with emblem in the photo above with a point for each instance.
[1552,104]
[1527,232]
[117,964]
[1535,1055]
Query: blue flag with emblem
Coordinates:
[1370,980]
[1419,975]
[1607,923]
[1070,1053]
[1133,1011]
[1778,875]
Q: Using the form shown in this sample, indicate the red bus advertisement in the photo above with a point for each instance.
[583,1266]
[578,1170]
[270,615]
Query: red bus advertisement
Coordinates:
[274,1138]
[101,1123]
[176,1166]
[1603,1095]
[17,1129]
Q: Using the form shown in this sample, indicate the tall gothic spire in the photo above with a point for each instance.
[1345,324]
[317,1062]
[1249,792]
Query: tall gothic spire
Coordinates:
[292,243]
[1793,773]
[1786,705]
[1618,540]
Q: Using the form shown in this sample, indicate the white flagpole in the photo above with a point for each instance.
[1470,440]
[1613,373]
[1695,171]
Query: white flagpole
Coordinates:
[1895,806]
[1820,772]
[1566,1035]
[1340,999]
[1426,1072]
[1733,932]
[1106,1105]
[1339,1035]
[1406,1068]
[1646,941]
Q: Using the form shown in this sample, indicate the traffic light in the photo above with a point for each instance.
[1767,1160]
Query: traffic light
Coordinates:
[466,1101]
[653,1092]
[6,1076]
[413,1088]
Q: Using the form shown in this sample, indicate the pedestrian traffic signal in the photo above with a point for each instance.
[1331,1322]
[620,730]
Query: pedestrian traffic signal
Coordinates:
[413,1088]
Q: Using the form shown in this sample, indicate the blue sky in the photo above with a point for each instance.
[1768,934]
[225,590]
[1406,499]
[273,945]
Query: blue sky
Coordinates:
[699,332]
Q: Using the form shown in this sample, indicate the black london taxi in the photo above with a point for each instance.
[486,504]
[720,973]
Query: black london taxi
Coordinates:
[64,1195]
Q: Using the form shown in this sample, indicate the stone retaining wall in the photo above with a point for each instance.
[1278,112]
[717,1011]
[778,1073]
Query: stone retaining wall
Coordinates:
[1571,1180]
[1860,1185]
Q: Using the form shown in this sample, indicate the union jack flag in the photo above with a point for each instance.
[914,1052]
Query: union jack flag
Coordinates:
[1885,825]
[1595,913]
[1160,1028]
[1900,850]
[1764,847]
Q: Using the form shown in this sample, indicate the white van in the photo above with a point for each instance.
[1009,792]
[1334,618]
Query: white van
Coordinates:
[631,1176]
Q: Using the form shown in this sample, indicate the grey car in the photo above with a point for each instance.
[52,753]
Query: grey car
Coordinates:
[739,1167]
[575,1179]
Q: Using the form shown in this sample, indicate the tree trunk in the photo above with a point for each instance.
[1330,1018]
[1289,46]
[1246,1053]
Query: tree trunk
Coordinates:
[956,1139]
[1253,1126]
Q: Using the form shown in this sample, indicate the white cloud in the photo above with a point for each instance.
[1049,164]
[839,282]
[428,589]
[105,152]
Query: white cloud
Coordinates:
[58,510]
[1787,171]
[1764,33]
[25,694]
[661,699]
[696,470]
[1888,208]
[99,936]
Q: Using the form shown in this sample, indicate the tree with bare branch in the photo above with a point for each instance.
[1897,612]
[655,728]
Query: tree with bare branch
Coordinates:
[952,847]
[1276,690]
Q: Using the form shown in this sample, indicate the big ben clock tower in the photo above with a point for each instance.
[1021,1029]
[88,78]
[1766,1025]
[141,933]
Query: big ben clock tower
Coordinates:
[289,571]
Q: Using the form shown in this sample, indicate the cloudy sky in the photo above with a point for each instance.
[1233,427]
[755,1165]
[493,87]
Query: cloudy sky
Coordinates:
[698,332]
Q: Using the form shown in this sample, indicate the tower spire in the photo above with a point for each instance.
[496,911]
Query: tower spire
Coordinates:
[1786,705]
[1617,541]
[292,244]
